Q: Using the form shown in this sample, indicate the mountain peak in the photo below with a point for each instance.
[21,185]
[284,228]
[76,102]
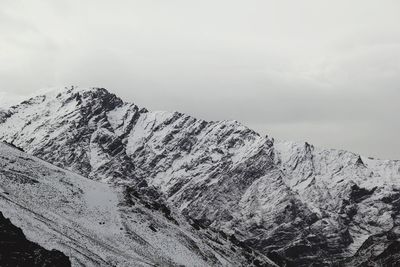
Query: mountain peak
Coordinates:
[61,93]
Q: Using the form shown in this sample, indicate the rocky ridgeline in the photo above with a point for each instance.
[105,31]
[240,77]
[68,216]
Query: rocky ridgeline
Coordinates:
[292,202]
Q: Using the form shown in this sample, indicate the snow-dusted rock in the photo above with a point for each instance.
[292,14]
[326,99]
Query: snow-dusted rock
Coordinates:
[98,224]
[291,201]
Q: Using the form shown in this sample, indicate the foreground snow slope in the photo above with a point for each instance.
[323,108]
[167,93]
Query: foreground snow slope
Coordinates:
[92,223]
[291,201]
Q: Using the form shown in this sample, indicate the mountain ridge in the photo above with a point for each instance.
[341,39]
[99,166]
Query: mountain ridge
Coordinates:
[294,202]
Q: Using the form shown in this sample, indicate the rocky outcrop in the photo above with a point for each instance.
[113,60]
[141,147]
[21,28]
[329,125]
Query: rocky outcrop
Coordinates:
[16,250]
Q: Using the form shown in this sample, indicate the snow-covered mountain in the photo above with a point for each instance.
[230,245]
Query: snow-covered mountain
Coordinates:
[97,224]
[293,202]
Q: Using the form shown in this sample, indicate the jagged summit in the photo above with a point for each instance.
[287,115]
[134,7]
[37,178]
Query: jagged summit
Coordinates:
[65,94]
[293,202]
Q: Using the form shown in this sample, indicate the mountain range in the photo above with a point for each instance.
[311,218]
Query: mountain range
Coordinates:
[109,183]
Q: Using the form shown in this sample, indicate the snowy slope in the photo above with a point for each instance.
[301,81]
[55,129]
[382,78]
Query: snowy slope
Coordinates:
[92,224]
[290,201]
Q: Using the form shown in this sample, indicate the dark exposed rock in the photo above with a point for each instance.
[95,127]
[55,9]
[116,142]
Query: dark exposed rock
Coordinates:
[359,194]
[16,250]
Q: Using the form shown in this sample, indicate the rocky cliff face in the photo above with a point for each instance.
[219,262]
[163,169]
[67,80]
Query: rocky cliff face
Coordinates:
[295,203]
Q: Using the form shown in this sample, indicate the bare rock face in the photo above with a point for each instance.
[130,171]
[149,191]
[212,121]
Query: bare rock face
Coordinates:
[16,250]
[295,203]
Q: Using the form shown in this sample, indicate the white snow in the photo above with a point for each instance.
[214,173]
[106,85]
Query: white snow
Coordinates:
[82,218]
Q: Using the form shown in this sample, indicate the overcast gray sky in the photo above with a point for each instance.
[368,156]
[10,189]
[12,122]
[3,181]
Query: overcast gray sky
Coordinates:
[327,72]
